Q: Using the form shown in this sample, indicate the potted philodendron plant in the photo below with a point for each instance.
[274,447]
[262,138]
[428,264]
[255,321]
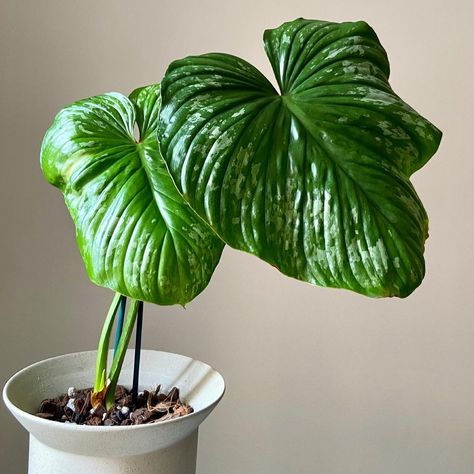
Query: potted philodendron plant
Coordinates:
[140,238]
[314,179]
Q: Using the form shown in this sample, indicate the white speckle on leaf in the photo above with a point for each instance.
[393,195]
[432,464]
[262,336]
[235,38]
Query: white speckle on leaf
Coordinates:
[357,49]
[380,248]
[285,39]
[420,132]
[334,53]
[355,214]
[376,97]
[239,113]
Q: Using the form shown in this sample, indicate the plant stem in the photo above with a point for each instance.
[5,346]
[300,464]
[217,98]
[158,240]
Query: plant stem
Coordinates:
[138,348]
[103,347]
[120,353]
[121,316]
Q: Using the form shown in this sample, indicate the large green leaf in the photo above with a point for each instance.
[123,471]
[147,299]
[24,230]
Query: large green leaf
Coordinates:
[135,232]
[314,180]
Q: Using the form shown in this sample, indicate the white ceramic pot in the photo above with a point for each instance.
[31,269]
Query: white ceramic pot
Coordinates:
[169,447]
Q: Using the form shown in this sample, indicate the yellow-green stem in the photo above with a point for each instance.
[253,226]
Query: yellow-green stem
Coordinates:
[120,352]
[103,347]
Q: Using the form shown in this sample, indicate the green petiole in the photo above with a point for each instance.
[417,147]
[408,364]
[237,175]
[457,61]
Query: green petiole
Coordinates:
[103,347]
[105,386]
[120,352]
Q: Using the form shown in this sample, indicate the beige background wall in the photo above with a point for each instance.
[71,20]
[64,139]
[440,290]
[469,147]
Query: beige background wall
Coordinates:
[319,381]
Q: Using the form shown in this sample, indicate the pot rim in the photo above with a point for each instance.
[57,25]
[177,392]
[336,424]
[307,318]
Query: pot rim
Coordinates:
[100,429]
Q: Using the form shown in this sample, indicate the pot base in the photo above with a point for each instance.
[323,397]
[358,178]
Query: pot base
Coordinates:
[179,458]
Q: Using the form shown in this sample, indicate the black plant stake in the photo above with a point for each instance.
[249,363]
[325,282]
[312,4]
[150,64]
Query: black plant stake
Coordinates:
[138,346]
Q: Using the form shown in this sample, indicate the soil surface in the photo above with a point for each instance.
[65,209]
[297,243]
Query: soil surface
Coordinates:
[151,407]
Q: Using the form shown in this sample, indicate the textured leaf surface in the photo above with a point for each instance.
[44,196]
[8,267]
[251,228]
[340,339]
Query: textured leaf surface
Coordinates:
[136,233]
[314,180]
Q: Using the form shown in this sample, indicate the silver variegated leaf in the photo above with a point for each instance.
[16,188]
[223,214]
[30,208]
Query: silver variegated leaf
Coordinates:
[314,179]
[136,233]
